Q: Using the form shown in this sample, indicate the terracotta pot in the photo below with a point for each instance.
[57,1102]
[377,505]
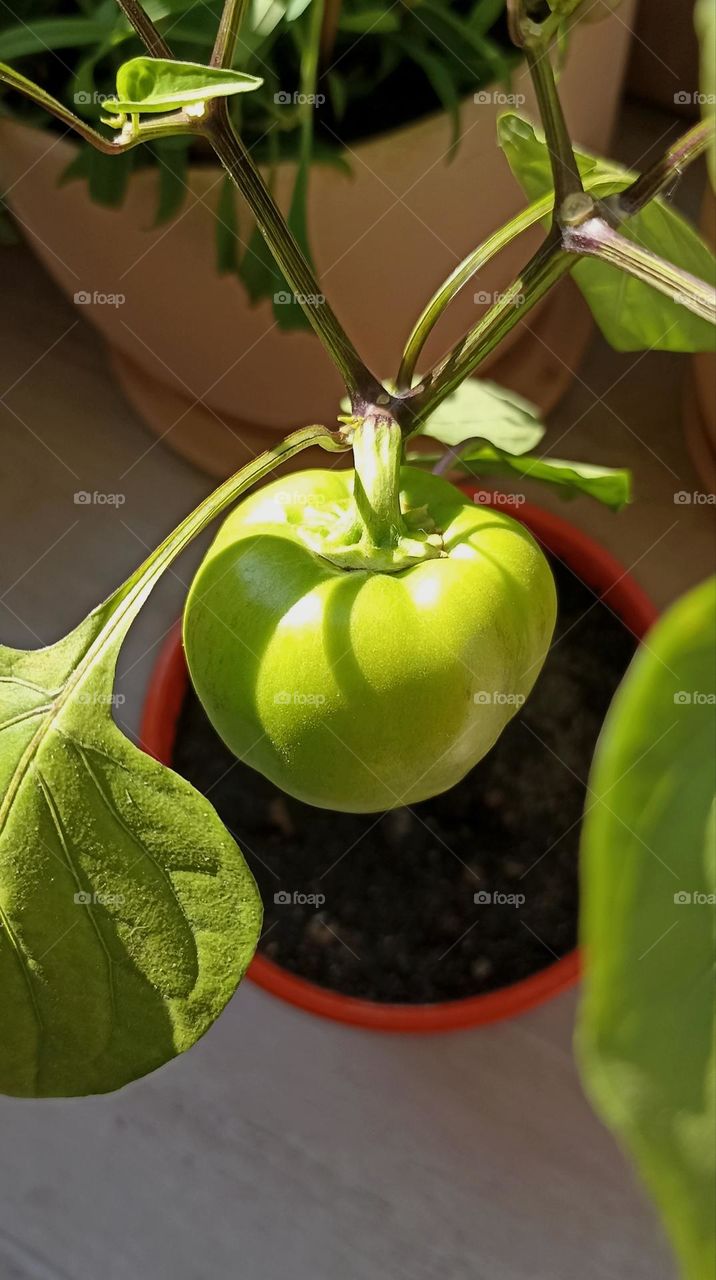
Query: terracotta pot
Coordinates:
[608,579]
[213,374]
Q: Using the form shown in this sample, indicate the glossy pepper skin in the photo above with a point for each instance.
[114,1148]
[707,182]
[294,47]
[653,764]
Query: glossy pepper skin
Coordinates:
[363,691]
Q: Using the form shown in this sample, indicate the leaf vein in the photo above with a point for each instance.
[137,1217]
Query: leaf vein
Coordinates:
[25,715]
[57,823]
[144,850]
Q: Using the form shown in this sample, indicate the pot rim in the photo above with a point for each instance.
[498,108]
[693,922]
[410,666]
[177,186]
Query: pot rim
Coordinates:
[613,584]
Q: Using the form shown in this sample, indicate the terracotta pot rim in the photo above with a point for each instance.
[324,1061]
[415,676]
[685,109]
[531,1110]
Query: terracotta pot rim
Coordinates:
[600,571]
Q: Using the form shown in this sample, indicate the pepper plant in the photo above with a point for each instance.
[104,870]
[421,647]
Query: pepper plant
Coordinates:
[127,913]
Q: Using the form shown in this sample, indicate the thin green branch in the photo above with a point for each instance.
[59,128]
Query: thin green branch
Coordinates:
[535,38]
[461,276]
[565,171]
[570,238]
[595,238]
[33,91]
[232,19]
[662,175]
[362,386]
[142,581]
[543,270]
[150,36]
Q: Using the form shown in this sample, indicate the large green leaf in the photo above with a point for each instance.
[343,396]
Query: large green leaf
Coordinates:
[631,315]
[127,913]
[608,485]
[647,1033]
[157,84]
[483,409]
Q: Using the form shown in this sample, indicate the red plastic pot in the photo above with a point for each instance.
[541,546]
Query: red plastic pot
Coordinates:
[610,581]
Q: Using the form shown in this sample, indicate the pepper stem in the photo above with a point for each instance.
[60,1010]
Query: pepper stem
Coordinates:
[377,452]
[374,532]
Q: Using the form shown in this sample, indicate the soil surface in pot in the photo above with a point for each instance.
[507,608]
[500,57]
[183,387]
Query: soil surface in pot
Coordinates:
[384,906]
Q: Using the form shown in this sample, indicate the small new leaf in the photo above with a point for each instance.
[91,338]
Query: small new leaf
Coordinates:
[156,84]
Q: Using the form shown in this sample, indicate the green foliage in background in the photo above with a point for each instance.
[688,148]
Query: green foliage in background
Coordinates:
[387,65]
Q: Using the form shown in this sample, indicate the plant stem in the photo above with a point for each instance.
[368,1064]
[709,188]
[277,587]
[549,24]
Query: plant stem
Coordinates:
[461,276]
[565,171]
[686,289]
[548,265]
[597,239]
[377,455]
[664,172]
[33,91]
[171,125]
[362,386]
[140,22]
[232,18]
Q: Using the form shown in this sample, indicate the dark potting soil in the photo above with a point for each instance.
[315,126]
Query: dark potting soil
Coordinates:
[384,906]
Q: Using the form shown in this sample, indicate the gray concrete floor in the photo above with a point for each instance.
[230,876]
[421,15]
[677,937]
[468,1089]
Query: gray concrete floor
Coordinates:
[281,1146]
